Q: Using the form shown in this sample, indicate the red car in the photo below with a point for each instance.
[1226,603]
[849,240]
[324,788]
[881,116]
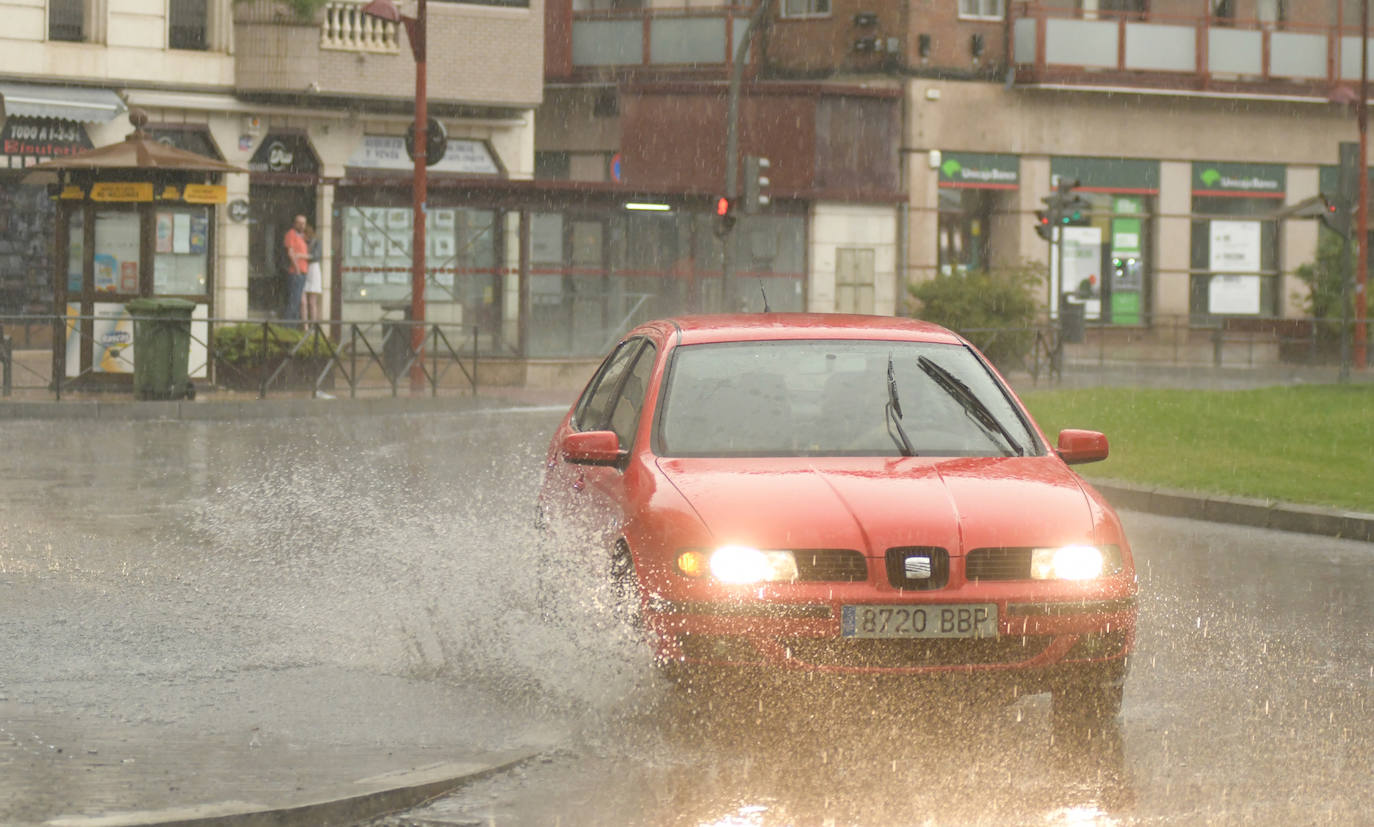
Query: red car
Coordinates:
[846,494]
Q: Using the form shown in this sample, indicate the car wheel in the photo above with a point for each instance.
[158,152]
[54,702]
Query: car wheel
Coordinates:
[625,585]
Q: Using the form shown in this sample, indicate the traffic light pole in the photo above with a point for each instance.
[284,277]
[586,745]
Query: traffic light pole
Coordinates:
[732,144]
[1362,222]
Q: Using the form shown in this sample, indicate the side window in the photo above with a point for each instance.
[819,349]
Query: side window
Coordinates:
[594,410]
[625,415]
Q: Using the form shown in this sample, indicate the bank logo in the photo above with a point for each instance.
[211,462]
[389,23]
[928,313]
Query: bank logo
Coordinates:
[1211,177]
[951,168]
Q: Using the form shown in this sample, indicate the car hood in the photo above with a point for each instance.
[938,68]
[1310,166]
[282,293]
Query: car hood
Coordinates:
[872,504]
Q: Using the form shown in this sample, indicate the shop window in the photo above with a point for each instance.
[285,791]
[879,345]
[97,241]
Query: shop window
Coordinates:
[981,9]
[182,251]
[805,8]
[964,240]
[188,24]
[1106,262]
[1234,259]
[854,280]
[116,251]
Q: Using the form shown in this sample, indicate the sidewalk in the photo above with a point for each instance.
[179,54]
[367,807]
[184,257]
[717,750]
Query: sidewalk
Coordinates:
[67,772]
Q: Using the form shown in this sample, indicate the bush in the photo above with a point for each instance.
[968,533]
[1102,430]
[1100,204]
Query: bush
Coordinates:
[996,310]
[243,344]
[1323,280]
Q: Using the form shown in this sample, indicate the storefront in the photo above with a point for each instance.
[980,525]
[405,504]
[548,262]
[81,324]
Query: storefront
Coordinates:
[285,175]
[973,188]
[1234,266]
[554,274]
[41,123]
[1107,262]
[134,220]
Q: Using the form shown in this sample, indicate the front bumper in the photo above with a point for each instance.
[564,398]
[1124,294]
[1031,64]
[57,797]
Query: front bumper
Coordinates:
[1033,635]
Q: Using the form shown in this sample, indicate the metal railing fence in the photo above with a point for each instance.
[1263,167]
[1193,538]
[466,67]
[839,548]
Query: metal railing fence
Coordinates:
[262,356]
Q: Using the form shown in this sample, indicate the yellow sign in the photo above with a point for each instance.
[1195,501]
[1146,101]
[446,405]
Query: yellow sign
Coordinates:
[205,194]
[72,192]
[122,191]
[169,193]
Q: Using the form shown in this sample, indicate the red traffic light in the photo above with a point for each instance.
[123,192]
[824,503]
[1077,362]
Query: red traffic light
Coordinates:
[722,206]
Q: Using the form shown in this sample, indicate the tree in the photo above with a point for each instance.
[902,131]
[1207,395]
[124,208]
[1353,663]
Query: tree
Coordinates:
[1323,280]
[995,309]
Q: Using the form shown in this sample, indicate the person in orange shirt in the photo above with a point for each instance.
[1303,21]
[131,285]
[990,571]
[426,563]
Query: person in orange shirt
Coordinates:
[297,263]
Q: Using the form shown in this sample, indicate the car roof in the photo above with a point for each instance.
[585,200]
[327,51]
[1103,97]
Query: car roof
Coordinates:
[746,327]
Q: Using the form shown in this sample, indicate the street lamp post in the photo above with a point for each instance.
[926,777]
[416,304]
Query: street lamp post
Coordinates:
[415,30]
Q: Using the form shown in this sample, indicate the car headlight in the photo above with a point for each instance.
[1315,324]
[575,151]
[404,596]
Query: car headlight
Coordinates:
[739,564]
[1070,563]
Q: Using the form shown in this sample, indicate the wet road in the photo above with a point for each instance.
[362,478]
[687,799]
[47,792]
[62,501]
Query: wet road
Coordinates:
[1249,702]
[144,568]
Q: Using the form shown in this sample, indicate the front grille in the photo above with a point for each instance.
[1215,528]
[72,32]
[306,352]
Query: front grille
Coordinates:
[939,568]
[998,564]
[897,654]
[830,564]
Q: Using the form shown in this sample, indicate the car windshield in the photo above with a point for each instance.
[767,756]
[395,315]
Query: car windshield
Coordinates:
[834,398]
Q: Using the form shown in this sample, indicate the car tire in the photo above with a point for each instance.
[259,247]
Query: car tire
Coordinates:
[625,585]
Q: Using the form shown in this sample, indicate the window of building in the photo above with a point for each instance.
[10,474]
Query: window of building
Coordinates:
[965,218]
[552,166]
[188,24]
[981,9]
[1235,255]
[67,20]
[805,8]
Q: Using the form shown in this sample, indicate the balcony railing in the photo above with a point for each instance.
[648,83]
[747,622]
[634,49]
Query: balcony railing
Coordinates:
[1065,45]
[346,28]
[657,37]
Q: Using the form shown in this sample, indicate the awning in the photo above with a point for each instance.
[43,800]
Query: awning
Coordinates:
[64,103]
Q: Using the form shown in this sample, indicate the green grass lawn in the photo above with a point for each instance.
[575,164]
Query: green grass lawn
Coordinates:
[1303,444]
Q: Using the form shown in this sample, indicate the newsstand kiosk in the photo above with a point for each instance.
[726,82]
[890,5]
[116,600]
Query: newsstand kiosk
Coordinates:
[135,229]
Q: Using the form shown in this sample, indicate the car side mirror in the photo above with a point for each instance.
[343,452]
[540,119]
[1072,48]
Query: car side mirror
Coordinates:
[1076,447]
[593,448]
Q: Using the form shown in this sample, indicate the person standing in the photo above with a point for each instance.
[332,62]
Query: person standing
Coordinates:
[314,277]
[297,264]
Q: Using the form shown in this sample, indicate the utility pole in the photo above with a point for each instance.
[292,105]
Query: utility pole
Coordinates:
[1362,221]
[732,141]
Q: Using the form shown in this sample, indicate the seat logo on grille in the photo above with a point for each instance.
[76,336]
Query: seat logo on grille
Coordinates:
[917,568]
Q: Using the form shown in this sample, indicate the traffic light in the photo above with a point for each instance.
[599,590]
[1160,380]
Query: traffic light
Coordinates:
[755,183]
[1063,208]
[725,216]
[1339,209]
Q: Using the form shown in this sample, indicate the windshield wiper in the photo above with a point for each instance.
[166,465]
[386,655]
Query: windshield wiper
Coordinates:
[893,411]
[972,405]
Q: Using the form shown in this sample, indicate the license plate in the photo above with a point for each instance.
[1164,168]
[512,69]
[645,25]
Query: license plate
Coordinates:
[952,620]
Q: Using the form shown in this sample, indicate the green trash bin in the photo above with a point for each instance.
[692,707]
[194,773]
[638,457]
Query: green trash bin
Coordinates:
[162,348]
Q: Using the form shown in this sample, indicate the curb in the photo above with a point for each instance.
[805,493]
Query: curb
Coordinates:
[232,409]
[1270,514]
[390,793]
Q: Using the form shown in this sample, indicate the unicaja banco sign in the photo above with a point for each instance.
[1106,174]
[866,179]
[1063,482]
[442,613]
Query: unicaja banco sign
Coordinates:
[969,169]
[1260,180]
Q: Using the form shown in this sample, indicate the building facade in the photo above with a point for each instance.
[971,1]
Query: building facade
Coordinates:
[586,152]
[1187,123]
[314,109]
